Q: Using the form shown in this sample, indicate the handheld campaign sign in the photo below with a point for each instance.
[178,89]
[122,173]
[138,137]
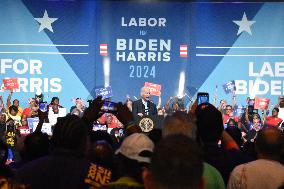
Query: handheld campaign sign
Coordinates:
[239,111]
[46,128]
[261,103]
[11,83]
[155,89]
[229,87]
[32,122]
[104,92]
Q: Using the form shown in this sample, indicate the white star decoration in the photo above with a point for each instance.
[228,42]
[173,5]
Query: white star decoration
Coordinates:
[244,24]
[45,22]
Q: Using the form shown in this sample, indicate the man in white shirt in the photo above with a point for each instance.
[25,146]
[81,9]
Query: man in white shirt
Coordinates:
[266,172]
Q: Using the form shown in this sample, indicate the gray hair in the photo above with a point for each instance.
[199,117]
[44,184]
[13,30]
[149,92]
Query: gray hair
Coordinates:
[143,89]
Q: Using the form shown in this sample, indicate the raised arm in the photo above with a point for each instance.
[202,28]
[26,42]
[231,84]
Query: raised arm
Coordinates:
[234,100]
[8,102]
[167,105]
[159,101]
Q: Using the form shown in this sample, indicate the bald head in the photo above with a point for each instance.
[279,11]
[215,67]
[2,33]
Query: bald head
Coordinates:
[270,143]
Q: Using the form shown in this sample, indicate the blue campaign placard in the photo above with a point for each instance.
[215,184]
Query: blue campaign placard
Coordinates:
[229,87]
[104,92]
[32,122]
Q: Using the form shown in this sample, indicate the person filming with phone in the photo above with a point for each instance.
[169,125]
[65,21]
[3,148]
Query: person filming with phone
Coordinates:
[144,106]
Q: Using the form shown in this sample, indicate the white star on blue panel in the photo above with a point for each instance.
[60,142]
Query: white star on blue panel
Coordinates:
[45,22]
[244,25]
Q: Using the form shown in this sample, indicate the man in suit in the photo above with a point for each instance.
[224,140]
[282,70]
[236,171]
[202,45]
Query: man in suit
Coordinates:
[144,106]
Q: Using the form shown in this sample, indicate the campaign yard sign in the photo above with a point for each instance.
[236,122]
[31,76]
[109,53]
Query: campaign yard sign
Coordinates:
[155,89]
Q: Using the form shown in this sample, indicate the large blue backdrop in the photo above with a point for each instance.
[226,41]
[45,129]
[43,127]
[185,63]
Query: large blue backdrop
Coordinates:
[70,48]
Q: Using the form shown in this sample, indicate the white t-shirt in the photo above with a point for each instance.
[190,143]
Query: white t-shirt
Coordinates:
[281,113]
[259,174]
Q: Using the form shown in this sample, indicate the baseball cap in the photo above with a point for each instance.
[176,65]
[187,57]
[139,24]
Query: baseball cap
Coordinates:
[133,145]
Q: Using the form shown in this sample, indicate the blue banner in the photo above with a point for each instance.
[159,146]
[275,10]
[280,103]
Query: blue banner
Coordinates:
[69,49]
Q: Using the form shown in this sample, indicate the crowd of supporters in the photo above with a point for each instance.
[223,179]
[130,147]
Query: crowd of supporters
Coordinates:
[202,146]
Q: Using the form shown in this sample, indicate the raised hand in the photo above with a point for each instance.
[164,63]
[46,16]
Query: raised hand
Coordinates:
[92,113]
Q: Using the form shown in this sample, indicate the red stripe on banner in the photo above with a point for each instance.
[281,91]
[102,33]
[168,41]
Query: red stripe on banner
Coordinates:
[183,54]
[183,51]
[103,50]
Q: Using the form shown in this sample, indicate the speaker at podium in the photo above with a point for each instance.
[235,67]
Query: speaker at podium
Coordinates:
[149,122]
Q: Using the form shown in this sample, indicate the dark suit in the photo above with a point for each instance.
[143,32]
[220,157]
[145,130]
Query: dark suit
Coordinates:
[138,107]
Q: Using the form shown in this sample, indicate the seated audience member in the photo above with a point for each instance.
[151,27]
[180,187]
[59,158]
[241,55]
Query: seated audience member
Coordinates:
[176,163]
[265,172]
[209,131]
[180,123]
[65,167]
[133,155]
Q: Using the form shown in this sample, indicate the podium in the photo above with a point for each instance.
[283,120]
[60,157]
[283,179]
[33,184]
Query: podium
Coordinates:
[149,122]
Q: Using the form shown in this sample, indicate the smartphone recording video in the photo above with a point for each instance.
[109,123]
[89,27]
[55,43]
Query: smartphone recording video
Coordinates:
[202,98]
[109,107]
[99,127]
